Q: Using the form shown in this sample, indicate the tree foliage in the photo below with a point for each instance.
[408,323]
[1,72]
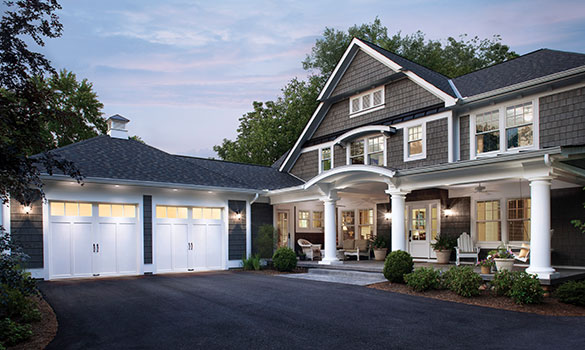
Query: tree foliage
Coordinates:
[272,127]
[25,104]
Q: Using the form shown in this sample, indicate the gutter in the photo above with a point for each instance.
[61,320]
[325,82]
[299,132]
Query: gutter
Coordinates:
[152,184]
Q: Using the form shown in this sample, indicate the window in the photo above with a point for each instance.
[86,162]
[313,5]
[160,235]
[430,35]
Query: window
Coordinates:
[356,152]
[366,101]
[519,219]
[304,216]
[488,221]
[376,151]
[206,213]
[318,219]
[348,224]
[415,140]
[166,212]
[117,210]
[434,222]
[519,125]
[325,159]
[487,132]
[366,223]
[70,209]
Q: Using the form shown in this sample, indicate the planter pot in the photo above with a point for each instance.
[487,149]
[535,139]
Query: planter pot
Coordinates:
[380,253]
[443,256]
[485,270]
[504,264]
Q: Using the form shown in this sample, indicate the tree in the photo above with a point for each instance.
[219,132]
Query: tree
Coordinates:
[24,103]
[272,127]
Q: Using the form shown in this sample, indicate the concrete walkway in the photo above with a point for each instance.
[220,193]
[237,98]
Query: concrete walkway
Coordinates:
[356,278]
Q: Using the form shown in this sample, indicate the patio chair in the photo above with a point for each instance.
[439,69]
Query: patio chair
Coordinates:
[466,249]
[309,249]
[521,253]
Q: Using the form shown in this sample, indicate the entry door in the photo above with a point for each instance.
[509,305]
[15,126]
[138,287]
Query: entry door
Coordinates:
[282,225]
[419,231]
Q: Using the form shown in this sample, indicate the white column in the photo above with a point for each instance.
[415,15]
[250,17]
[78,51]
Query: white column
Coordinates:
[330,232]
[540,263]
[398,228]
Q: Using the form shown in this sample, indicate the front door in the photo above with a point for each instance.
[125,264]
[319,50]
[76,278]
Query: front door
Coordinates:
[282,225]
[419,235]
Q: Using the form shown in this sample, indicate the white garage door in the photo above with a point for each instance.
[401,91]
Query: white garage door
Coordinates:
[88,239]
[188,239]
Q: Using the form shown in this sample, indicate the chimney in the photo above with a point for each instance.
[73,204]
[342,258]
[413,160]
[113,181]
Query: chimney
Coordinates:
[117,127]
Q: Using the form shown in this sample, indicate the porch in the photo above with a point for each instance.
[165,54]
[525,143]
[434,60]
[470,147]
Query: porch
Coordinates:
[564,274]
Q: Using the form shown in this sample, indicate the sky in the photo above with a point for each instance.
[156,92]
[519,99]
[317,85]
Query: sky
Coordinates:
[184,72]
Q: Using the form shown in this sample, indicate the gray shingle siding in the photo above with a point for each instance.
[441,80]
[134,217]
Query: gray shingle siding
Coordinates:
[340,156]
[400,97]
[562,119]
[436,143]
[147,228]
[567,241]
[383,227]
[460,222]
[236,230]
[27,231]
[307,166]
[362,70]
[262,214]
[464,137]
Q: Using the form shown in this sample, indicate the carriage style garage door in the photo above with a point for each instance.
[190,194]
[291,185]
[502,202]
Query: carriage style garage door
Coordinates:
[188,239]
[90,239]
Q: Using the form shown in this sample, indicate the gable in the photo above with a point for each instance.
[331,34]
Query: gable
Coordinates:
[363,70]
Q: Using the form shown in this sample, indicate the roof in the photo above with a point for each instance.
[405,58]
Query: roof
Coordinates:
[119,117]
[533,65]
[437,79]
[280,160]
[125,159]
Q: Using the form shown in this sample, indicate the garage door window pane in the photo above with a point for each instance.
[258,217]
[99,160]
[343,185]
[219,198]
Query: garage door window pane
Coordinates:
[71,209]
[105,210]
[129,211]
[161,212]
[85,209]
[207,214]
[117,210]
[57,208]
[197,213]
[171,212]
[182,213]
[216,214]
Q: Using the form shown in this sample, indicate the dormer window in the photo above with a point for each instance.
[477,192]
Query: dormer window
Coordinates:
[366,102]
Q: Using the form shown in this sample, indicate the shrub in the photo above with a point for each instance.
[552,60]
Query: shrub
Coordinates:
[462,280]
[284,259]
[526,288]
[423,278]
[17,306]
[12,333]
[265,241]
[397,264]
[251,263]
[502,282]
[572,293]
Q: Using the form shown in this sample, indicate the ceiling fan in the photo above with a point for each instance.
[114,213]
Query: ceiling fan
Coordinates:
[481,189]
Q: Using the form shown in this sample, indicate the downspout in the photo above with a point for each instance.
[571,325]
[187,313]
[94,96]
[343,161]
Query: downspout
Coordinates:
[255,198]
[547,160]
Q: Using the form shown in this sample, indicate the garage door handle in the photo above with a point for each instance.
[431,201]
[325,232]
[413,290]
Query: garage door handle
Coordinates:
[98,248]
[94,247]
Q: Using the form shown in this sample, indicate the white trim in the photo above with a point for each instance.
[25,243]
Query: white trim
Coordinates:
[372,108]
[423,155]
[450,140]
[320,157]
[337,67]
[369,110]
[373,169]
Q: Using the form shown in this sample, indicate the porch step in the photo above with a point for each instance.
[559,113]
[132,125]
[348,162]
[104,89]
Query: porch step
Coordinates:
[358,278]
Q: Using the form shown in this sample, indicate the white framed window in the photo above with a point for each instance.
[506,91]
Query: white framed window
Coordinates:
[376,150]
[304,218]
[519,219]
[488,223]
[206,213]
[168,212]
[366,102]
[519,128]
[504,128]
[325,159]
[70,209]
[415,142]
[356,152]
[348,224]
[366,223]
[318,220]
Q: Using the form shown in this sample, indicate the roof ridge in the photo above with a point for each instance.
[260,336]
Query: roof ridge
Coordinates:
[221,160]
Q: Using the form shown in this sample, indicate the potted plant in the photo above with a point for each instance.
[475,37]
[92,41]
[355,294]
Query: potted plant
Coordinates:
[380,246]
[503,258]
[486,265]
[443,247]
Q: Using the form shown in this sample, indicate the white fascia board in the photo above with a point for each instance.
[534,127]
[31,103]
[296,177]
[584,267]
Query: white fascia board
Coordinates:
[305,130]
[511,88]
[154,184]
[337,68]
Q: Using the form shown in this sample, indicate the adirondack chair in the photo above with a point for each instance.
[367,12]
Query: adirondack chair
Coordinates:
[466,249]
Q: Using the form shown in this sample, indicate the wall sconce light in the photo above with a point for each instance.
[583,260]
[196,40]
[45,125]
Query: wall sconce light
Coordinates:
[448,212]
[27,209]
[388,215]
[238,216]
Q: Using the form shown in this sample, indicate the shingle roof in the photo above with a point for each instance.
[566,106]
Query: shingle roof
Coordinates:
[533,65]
[119,117]
[437,79]
[113,158]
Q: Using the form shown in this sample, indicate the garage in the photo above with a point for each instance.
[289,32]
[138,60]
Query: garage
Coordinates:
[188,239]
[92,239]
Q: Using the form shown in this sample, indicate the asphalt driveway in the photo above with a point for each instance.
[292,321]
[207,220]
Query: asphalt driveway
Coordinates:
[241,310]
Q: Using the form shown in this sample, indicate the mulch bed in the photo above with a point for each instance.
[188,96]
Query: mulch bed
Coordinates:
[43,331]
[550,307]
[269,271]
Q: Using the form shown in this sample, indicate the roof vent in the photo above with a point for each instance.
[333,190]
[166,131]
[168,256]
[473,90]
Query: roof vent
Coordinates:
[117,126]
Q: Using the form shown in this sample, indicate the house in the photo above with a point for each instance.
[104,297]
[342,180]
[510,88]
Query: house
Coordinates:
[393,149]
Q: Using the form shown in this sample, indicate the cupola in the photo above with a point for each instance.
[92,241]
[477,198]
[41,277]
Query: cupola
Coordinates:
[117,126]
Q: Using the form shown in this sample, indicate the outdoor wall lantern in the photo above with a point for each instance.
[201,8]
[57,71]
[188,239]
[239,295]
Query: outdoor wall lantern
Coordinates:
[448,212]
[238,216]
[27,209]
[388,215]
